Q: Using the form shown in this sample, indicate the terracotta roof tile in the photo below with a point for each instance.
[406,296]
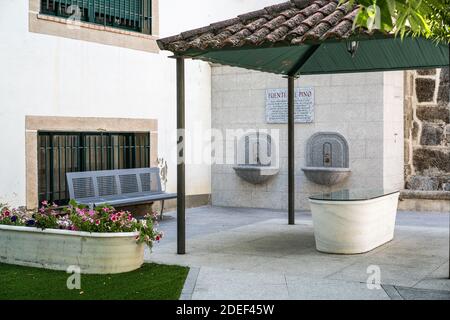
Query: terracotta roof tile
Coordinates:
[223,24]
[343,26]
[278,34]
[255,25]
[295,21]
[277,8]
[292,22]
[275,22]
[289,13]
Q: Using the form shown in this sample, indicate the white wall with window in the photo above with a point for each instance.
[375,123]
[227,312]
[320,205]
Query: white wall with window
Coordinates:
[46,75]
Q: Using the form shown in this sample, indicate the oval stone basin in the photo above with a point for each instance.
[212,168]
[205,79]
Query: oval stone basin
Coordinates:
[256,174]
[327,176]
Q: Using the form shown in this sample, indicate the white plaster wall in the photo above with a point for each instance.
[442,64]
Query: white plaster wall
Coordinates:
[351,104]
[53,76]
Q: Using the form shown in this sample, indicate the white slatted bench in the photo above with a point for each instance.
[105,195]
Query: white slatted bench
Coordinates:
[117,187]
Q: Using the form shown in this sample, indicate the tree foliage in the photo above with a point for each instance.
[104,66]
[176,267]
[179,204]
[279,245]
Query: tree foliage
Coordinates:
[426,18]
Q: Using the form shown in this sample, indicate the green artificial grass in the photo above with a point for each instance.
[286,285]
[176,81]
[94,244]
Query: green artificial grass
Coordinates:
[151,282]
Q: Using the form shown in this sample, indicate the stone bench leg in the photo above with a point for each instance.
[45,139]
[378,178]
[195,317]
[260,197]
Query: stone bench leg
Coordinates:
[162,210]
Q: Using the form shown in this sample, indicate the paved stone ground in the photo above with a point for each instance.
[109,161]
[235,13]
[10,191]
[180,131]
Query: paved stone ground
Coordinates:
[237,253]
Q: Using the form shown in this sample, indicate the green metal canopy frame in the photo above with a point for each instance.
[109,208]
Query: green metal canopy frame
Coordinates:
[294,38]
[382,54]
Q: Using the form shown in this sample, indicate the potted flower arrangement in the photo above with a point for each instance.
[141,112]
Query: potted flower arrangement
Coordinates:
[101,240]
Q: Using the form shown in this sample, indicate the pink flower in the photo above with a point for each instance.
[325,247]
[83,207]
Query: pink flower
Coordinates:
[97,222]
[91,213]
[45,203]
[6,213]
[105,209]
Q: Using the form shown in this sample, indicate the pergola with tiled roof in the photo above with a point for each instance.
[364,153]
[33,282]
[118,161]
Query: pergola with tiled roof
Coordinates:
[292,38]
[289,23]
[303,37]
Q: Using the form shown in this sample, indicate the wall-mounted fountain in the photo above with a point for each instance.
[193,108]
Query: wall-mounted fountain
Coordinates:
[256,158]
[327,159]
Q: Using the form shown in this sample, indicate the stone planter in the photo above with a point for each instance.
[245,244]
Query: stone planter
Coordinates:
[353,227]
[94,253]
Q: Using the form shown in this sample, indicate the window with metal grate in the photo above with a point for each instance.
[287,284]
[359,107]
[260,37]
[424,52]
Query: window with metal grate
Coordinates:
[62,152]
[133,15]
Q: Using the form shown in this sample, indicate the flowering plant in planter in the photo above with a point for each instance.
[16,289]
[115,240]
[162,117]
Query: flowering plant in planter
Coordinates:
[11,217]
[77,217]
[107,219]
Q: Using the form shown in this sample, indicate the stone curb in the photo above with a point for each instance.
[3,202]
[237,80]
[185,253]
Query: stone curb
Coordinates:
[189,285]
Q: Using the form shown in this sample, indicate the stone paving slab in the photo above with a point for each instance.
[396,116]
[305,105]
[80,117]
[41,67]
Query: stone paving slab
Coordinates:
[312,265]
[226,261]
[406,276]
[254,254]
[438,280]
[420,294]
[222,284]
[392,292]
[303,288]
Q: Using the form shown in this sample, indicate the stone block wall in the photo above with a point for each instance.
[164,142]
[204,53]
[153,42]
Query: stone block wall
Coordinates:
[365,108]
[427,130]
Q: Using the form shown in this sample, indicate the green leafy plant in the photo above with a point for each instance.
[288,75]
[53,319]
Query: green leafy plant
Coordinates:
[427,18]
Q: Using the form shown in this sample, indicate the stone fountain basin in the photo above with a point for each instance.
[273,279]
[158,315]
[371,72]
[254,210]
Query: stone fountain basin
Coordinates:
[327,176]
[256,174]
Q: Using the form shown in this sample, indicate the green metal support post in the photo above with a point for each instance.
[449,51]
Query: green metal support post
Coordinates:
[181,184]
[291,149]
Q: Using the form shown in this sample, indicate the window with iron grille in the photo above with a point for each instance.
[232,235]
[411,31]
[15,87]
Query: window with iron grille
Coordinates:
[134,15]
[62,152]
